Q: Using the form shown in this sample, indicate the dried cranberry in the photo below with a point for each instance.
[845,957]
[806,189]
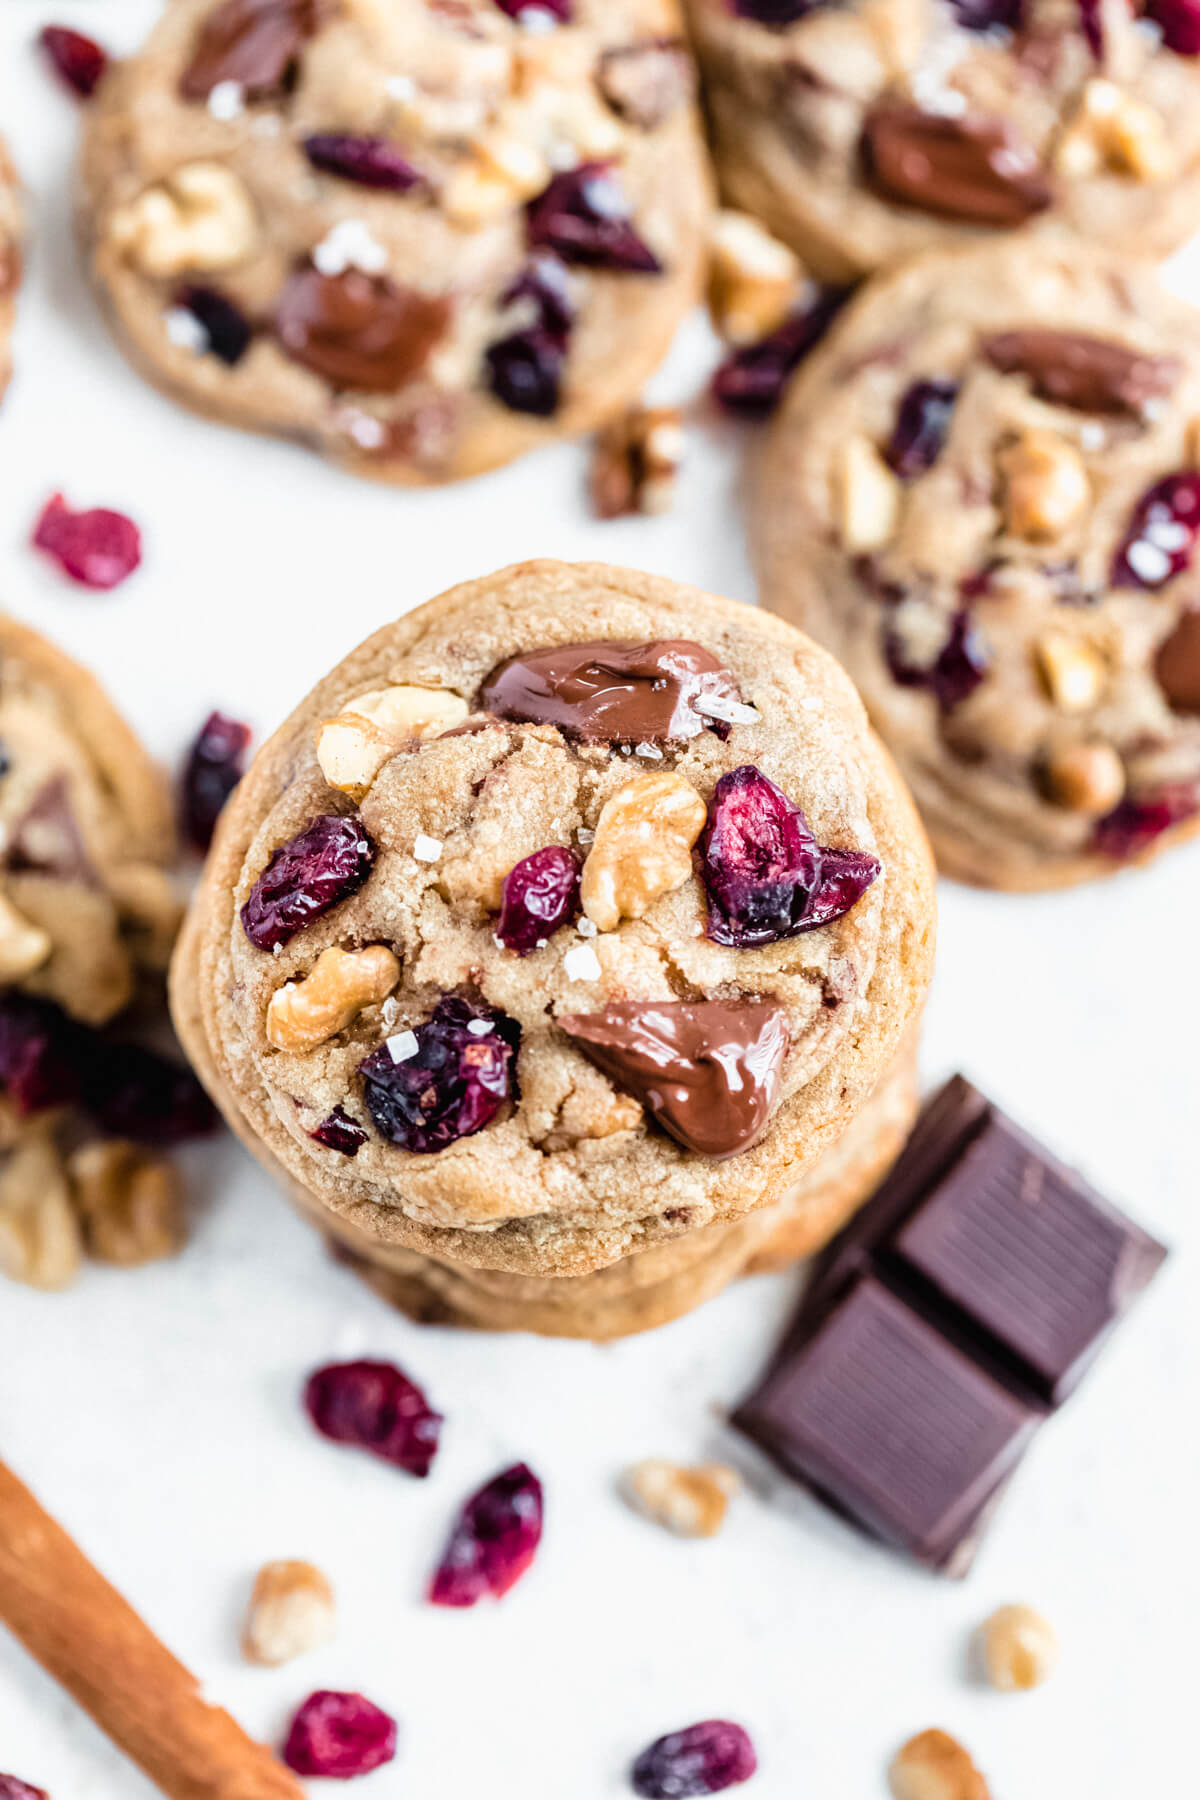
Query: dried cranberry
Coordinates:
[79,60]
[555,9]
[538,895]
[955,673]
[585,217]
[765,873]
[339,1132]
[132,1092]
[525,369]
[1179,22]
[1162,533]
[12,1789]
[701,1759]
[325,863]
[452,1084]
[922,421]
[370,161]
[775,12]
[97,548]
[751,380]
[1134,824]
[38,1067]
[1091,23]
[376,1407]
[227,330]
[494,1540]
[988,15]
[339,1735]
[215,764]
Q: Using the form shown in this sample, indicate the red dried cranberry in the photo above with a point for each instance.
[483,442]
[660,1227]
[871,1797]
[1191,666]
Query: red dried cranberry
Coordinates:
[701,1759]
[988,15]
[227,330]
[922,421]
[79,60]
[370,161]
[765,873]
[12,1789]
[956,672]
[325,863]
[215,764]
[451,1085]
[525,369]
[1136,822]
[537,896]
[339,1735]
[99,548]
[339,1132]
[494,1540]
[585,217]
[555,9]
[1162,533]
[39,1062]
[1179,22]
[132,1092]
[775,12]
[376,1407]
[1091,23]
[751,380]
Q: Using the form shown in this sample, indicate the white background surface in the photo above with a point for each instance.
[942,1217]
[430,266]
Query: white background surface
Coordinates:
[156,1412]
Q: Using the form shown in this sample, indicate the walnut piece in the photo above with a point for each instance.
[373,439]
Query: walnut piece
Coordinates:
[130,1203]
[201,218]
[24,946]
[1046,488]
[366,734]
[934,1766]
[1073,670]
[868,497]
[642,848]
[1019,1648]
[1085,778]
[328,999]
[636,462]
[689,1502]
[752,278]
[291,1612]
[40,1240]
[1114,130]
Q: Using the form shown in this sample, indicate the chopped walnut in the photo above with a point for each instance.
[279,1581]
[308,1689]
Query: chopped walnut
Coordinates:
[40,1241]
[869,496]
[1085,778]
[201,217]
[1019,1647]
[636,461]
[1114,130]
[642,848]
[934,1766]
[1074,672]
[305,1013]
[291,1612]
[1046,488]
[130,1203]
[753,278]
[689,1502]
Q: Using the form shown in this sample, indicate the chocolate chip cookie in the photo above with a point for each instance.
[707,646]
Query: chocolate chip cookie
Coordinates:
[866,132]
[10,260]
[423,236]
[572,915]
[983,494]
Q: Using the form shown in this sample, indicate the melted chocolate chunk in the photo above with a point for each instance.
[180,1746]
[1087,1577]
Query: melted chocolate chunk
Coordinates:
[977,170]
[358,331]
[256,43]
[1177,664]
[1089,374]
[615,693]
[707,1071]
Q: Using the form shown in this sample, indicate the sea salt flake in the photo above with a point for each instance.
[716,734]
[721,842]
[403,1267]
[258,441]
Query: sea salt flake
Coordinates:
[350,245]
[427,849]
[479,1027]
[403,1046]
[587,927]
[227,101]
[581,963]
[1147,561]
[184,330]
[730,712]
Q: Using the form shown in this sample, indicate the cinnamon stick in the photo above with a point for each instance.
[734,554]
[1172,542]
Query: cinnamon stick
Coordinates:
[94,1644]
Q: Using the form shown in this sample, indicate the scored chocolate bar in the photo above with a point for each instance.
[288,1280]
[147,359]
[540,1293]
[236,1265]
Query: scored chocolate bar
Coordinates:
[943,1327]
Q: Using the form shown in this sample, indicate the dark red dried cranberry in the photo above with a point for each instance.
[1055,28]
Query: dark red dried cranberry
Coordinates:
[1134,824]
[339,1132]
[132,1092]
[776,12]
[1091,23]
[12,1789]
[39,1062]
[78,59]
[556,9]
[538,895]
[765,873]
[525,369]
[325,863]
[701,1759]
[226,328]
[1179,22]
[370,161]
[922,421]
[1162,533]
[97,548]
[339,1735]
[585,217]
[751,380]
[989,15]
[374,1406]
[956,672]
[494,1540]
[215,764]
[452,1085]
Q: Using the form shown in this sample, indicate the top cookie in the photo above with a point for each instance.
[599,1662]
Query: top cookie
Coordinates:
[422,235]
[863,133]
[982,494]
[454,967]
[10,260]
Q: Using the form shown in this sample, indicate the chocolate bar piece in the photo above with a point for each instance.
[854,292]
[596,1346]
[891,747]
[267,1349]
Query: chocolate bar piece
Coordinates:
[943,1326]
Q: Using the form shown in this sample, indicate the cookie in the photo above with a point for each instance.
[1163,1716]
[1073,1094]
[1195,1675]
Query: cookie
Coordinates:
[983,494]
[10,260]
[865,133]
[87,834]
[422,236]
[515,947]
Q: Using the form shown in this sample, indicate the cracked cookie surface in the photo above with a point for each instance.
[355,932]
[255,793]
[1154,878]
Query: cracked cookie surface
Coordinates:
[568,1172]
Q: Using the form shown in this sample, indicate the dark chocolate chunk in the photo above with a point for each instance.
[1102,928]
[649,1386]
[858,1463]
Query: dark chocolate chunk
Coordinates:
[256,43]
[1177,663]
[358,331]
[977,170]
[706,1071]
[1089,374]
[959,1309]
[616,693]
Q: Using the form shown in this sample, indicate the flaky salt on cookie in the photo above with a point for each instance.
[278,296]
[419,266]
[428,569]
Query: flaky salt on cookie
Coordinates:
[983,494]
[422,238]
[571,915]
